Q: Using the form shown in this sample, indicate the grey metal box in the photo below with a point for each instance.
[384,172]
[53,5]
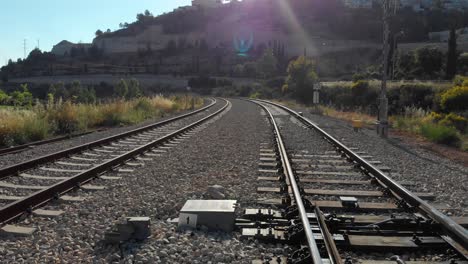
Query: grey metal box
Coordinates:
[214,214]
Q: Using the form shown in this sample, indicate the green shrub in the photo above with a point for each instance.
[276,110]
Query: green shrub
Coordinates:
[144,104]
[441,134]
[456,121]
[36,129]
[65,118]
[455,99]
[358,77]
[3,97]
[255,95]
[460,80]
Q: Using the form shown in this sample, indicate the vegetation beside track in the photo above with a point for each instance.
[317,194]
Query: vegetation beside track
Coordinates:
[23,124]
[435,111]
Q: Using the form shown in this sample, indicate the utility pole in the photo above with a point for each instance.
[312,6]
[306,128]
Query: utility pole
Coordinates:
[24,47]
[389,8]
[395,52]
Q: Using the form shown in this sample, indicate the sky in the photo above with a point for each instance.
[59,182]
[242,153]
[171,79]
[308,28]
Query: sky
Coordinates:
[51,21]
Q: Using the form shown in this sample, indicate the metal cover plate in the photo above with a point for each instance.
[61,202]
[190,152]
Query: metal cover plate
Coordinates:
[192,206]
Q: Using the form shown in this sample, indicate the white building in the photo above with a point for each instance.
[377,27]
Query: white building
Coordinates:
[420,5]
[185,8]
[358,3]
[207,3]
[64,47]
[416,5]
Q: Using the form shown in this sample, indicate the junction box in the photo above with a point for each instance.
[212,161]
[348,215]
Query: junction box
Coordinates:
[213,214]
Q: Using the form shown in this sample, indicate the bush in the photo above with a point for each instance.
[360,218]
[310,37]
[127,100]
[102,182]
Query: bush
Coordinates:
[255,95]
[418,95]
[36,129]
[455,99]
[441,134]
[65,118]
[202,84]
[362,94]
[301,79]
[3,97]
[456,121]
[144,104]
[460,80]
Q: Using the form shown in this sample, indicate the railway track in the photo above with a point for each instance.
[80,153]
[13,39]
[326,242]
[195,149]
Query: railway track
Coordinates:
[337,205]
[29,187]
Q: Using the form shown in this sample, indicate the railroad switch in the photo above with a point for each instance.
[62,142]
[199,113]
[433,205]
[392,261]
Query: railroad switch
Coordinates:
[295,233]
[349,202]
[301,256]
[262,214]
[286,200]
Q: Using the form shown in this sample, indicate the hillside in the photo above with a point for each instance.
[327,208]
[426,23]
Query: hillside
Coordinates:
[209,40]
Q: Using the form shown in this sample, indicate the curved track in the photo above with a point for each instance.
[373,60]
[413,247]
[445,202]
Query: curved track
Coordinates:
[31,184]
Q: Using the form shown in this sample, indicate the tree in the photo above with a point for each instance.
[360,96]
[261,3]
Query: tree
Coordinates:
[463,64]
[23,98]
[301,79]
[148,13]
[452,55]
[3,97]
[238,70]
[430,60]
[99,33]
[133,89]
[121,89]
[268,64]
[4,77]
[144,17]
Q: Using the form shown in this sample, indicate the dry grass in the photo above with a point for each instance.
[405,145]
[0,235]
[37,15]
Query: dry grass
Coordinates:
[349,116]
[19,126]
[376,84]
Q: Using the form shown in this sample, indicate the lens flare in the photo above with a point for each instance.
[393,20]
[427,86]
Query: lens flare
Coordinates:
[243,44]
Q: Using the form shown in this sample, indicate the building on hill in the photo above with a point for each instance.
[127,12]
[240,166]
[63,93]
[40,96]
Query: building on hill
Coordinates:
[358,3]
[421,5]
[416,5]
[64,47]
[443,36]
[184,8]
[456,4]
[207,3]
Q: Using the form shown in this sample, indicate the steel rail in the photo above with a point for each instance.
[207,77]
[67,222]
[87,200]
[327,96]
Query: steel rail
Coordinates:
[459,233]
[328,239]
[16,149]
[287,168]
[17,208]
[17,168]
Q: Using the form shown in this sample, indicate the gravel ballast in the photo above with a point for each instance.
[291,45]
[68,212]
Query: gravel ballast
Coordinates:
[225,153]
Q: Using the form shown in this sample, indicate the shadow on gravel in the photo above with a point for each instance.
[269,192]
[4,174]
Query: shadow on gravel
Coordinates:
[103,250]
[396,143]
